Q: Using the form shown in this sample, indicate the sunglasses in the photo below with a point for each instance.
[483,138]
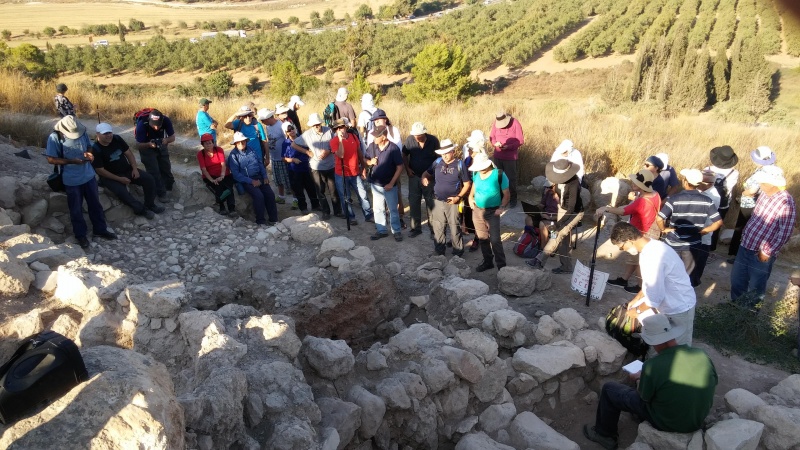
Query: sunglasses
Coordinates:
[648,164]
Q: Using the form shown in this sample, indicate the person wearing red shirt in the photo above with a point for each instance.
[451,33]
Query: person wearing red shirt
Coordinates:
[346,146]
[216,175]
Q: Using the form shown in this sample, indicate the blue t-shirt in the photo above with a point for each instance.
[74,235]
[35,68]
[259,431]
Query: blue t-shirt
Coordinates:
[388,160]
[72,174]
[489,192]
[290,152]
[145,133]
[204,122]
[660,186]
[450,178]
[253,132]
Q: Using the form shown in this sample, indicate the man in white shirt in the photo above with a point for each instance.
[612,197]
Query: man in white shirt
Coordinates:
[665,283]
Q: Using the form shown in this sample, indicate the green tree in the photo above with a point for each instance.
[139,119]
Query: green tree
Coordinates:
[313,15]
[363,12]
[276,22]
[121,31]
[135,25]
[29,60]
[287,80]
[166,23]
[294,20]
[357,43]
[317,23]
[6,34]
[328,17]
[182,24]
[218,84]
[49,31]
[722,71]
[440,73]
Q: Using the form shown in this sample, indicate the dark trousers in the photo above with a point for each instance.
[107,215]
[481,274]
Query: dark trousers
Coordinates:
[509,167]
[147,183]
[487,230]
[226,185]
[445,214]
[615,398]
[303,181]
[417,192]
[75,197]
[715,236]
[741,221]
[263,200]
[700,253]
[156,161]
[325,181]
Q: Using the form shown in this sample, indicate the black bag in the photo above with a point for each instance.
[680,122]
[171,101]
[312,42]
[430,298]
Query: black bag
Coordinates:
[56,180]
[621,327]
[42,369]
[722,190]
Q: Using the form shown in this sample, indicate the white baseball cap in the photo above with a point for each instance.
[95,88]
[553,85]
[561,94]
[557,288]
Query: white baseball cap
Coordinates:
[103,128]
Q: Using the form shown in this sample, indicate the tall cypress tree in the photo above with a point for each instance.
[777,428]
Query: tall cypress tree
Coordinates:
[722,72]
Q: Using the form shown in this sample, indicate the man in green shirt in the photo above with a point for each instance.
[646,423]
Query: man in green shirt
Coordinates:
[676,387]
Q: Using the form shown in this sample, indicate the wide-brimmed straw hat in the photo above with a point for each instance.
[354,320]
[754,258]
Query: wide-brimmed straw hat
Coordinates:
[658,329]
[723,157]
[244,111]
[560,171]
[338,123]
[265,113]
[445,147]
[418,129]
[314,119]
[643,179]
[480,162]
[763,156]
[502,119]
[70,127]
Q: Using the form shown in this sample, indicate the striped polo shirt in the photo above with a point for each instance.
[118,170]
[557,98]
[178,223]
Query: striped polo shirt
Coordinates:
[687,212]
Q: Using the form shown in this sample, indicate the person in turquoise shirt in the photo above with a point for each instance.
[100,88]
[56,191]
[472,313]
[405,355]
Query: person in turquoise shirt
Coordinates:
[488,198]
[206,123]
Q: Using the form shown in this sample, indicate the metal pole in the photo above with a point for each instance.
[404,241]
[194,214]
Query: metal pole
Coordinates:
[594,259]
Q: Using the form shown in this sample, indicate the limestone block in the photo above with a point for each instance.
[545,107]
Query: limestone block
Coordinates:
[474,311]
[15,276]
[521,281]
[662,439]
[742,401]
[544,362]
[373,408]
[343,416]
[735,434]
[34,214]
[496,417]
[478,343]
[480,441]
[528,431]
[158,299]
[331,359]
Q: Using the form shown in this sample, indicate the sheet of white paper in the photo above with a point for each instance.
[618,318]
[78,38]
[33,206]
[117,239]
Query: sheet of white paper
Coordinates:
[580,281]
[633,367]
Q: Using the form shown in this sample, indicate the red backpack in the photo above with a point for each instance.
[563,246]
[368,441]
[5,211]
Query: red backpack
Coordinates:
[527,246]
[141,116]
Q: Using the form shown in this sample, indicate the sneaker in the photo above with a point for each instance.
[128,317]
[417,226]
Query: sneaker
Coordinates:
[83,242]
[486,265]
[607,442]
[377,236]
[108,235]
[398,237]
[459,254]
[619,281]
[535,263]
[223,211]
[158,209]
[633,289]
[559,271]
[280,200]
[294,204]
[369,219]
[414,233]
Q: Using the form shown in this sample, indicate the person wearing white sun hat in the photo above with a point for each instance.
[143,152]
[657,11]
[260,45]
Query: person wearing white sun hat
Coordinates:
[248,171]
[489,198]
[452,185]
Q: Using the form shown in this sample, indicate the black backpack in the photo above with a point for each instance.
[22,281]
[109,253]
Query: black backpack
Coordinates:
[45,367]
[722,190]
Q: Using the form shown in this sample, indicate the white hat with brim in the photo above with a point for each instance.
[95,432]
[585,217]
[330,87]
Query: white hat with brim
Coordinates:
[280,108]
[763,156]
[265,113]
[693,176]
[480,162]
[643,180]
[658,329]
[564,148]
[244,111]
[771,175]
[560,171]
[418,129]
[502,119]
[295,100]
[314,119]
[238,137]
[70,127]
[445,147]
[475,137]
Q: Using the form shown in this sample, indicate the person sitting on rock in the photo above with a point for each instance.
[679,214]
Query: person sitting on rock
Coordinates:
[216,174]
[675,392]
[69,146]
[115,164]
[247,168]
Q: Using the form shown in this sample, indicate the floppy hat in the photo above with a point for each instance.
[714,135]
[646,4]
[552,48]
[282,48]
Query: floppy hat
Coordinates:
[205,137]
[280,108]
[341,94]
[379,131]
[156,118]
[285,127]
[763,156]
[295,100]
[367,101]
[338,123]
[693,176]
[656,161]
[445,147]
[476,137]
[560,171]
[103,128]
[480,162]
[70,127]
[418,129]
[643,179]
[265,113]
[658,329]
[238,137]
[204,101]
[663,157]
[379,114]
[61,88]
[314,119]
[723,157]
[244,111]
[564,148]
[501,119]
[771,175]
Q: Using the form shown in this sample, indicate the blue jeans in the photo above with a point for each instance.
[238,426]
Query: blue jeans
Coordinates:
[380,198]
[263,200]
[75,197]
[749,274]
[353,184]
[615,398]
